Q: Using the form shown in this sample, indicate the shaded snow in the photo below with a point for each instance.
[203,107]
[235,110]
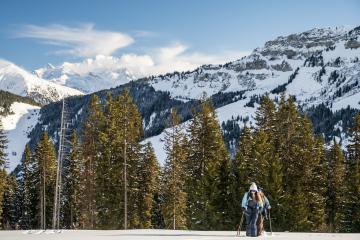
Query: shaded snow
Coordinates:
[158,145]
[162,235]
[17,126]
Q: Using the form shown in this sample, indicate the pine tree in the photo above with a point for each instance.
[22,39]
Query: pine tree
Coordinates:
[352,218]
[126,140]
[287,147]
[318,186]
[107,169]
[265,115]
[294,144]
[266,158]
[27,190]
[45,169]
[72,179]
[242,171]
[262,156]
[149,185]
[335,201]
[90,151]
[3,158]
[311,152]
[205,156]
[274,191]
[221,195]
[9,213]
[175,173]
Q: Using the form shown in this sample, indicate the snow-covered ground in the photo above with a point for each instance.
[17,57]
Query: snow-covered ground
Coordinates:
[162,235]
[17,126]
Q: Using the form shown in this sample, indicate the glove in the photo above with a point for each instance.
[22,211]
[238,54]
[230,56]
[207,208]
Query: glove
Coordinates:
[269,207]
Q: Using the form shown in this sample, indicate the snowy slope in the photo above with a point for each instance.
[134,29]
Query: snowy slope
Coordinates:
[272,65]
[17,126]
[90,75]
[161,235]
[20,82]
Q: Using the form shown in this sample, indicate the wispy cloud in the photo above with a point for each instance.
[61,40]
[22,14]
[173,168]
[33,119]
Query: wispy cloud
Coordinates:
[86,41]
[175,57]
[80,41]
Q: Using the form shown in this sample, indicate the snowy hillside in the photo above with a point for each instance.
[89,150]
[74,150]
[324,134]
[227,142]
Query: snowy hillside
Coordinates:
[317,66]
[89,76]
[20,82]
[17,127]
[162,235]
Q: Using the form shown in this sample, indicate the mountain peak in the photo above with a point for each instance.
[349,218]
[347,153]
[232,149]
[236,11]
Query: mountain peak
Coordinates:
[18,81]
[89,75]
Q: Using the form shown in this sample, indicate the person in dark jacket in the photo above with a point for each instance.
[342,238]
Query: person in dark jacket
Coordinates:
[251,209]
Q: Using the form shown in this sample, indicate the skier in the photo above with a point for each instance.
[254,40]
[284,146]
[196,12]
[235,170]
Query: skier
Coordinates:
[263,210]
[251,210]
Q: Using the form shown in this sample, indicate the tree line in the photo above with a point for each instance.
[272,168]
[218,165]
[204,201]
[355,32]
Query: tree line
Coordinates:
[112,180]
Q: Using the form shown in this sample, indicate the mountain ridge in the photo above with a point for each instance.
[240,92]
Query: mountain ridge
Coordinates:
[18,81]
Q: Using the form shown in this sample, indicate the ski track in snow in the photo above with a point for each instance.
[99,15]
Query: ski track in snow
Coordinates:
[17,126]
[161,235]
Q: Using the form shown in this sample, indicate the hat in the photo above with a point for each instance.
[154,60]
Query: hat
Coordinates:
[253,187]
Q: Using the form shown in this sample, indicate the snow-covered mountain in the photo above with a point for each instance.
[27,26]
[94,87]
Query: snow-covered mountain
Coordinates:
[17,80]
[320,66]
[90,75]
[317,66]
[319,54]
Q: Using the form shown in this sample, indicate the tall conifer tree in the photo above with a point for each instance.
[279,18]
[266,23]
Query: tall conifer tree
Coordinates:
[175,174]
[92,128]
[3,159]
[336,188]
[352,223]
[206,155]
[149,185]
[45,169]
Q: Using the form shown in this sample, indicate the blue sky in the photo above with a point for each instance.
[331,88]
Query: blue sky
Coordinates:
[33,33]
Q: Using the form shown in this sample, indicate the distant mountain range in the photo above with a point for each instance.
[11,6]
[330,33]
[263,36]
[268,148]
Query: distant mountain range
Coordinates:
[320,67]
[88,76]
[18,81]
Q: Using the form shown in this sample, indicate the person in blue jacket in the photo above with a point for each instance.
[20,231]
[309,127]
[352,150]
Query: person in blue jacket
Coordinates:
[251,207]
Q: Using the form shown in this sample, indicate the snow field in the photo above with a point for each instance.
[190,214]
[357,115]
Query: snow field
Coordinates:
[161,235]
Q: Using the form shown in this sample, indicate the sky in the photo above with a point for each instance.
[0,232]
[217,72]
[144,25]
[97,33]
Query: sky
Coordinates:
[164,35]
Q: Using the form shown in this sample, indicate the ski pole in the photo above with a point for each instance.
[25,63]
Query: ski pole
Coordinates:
[239,228]
[270,223]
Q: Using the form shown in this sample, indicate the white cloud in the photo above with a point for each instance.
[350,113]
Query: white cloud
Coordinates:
[81,41]
[176,57]
[85,41]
